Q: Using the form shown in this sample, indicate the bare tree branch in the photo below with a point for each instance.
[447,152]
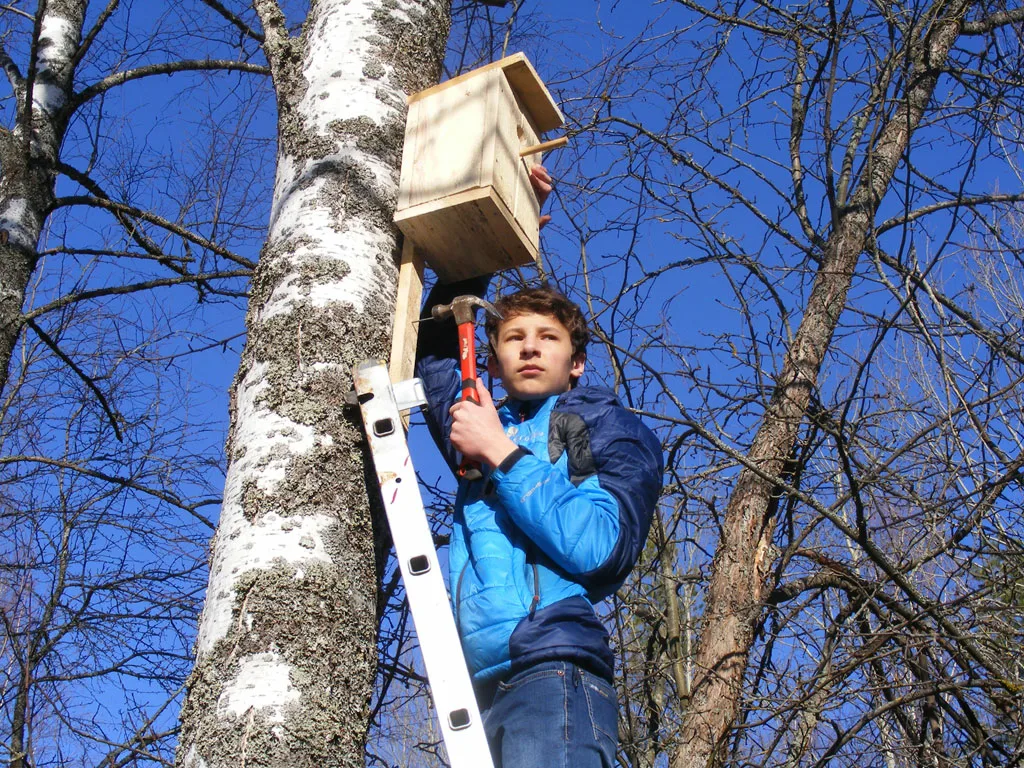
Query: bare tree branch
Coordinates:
[138,213]
[168,68]
[235,20]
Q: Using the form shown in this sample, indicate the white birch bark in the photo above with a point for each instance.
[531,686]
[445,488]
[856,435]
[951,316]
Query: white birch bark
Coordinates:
[287,640]
[28,154]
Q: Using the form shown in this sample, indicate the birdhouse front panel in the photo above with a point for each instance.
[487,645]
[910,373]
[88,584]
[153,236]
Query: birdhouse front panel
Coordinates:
[446,147]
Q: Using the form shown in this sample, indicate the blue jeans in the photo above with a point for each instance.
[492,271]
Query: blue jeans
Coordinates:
[553,715]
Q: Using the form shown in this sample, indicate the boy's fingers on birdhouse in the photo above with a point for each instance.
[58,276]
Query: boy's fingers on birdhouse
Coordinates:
[543,221]
[540,179]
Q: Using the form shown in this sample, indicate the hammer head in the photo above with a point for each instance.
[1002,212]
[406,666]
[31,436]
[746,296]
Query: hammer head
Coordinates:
[463,309]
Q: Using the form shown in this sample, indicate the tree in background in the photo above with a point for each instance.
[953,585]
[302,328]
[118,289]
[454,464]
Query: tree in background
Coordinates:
[109,466]
[122,252]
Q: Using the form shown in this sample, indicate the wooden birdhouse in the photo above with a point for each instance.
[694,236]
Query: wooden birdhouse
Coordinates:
[465,199]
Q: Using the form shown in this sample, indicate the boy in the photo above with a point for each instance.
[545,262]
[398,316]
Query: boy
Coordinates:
[559,519]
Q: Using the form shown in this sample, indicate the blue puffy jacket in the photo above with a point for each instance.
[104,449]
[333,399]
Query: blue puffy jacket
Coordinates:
[557,527]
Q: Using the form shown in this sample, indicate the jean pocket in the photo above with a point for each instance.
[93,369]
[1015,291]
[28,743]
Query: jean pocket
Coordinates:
[527,676]
[603,708]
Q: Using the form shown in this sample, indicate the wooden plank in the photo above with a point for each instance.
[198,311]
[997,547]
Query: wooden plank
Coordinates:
[531,89]
[487,124]
[449,143]
[525,82]
[524,205]
[469,234]
[504,161]
[499,64]
[409,154]
[407,311]
[438,205]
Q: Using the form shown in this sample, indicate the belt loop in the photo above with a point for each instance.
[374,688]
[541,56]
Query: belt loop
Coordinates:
[576,676]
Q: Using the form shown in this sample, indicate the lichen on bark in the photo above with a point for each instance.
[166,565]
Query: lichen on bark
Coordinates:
[323,670]
[321,301]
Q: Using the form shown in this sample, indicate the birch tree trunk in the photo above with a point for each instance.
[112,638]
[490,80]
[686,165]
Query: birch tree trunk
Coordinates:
[286,646]
[736,593]
[29,154]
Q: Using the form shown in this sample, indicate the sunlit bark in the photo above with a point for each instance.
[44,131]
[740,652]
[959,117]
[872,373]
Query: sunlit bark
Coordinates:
[286,650]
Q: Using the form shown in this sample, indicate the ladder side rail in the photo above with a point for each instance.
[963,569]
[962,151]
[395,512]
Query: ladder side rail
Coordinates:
[440,646]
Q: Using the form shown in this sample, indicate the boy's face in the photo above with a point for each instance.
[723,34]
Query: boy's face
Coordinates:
[533,357]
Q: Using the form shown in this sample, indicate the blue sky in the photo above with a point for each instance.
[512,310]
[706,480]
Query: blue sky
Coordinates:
[172,123]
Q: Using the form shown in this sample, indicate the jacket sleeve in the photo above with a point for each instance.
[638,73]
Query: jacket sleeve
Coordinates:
[437,361]
[594,521]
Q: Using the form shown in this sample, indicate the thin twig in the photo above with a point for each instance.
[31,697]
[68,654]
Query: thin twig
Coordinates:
[48,341]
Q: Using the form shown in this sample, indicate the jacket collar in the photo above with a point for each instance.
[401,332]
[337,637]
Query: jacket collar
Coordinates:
[517,411]
[512,410]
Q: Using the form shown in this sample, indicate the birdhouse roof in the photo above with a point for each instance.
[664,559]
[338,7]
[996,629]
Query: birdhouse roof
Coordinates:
[526,84]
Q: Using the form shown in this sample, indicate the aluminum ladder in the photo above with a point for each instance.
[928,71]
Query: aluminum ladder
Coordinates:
[381,404]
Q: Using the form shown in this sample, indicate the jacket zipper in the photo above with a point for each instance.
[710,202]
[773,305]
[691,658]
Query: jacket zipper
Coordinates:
[458,598]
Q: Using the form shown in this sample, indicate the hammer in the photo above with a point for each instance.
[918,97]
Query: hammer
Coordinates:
[463,309]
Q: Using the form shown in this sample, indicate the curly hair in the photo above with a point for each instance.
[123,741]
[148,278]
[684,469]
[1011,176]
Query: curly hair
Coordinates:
[543,300]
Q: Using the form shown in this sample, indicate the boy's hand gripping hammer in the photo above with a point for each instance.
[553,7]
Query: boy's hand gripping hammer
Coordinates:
[463,309]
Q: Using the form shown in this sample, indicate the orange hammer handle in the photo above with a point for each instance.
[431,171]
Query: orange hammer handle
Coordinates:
[468,469]
[467,362]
